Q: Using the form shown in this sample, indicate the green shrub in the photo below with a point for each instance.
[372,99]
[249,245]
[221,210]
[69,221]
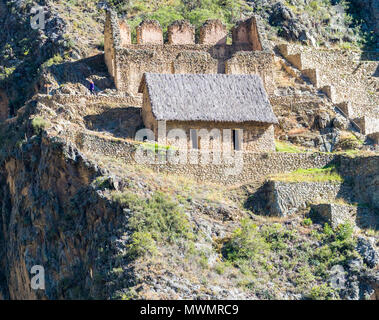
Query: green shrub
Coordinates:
[307,222]
[155,220]
[39,124]
[246,243]
[322,292]
[142,243]
[338,247]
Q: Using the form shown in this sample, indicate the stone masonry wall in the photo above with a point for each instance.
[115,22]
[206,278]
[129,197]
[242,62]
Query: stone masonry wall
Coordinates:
[246,33]
[284,198]
[255,166]
[256,137]
[112,42]
[255,62]
[181,32]
[213,32]
[125,34]
[368,125]
[149,32]
[135,60]
[364,172]
[127,62]
[345,76]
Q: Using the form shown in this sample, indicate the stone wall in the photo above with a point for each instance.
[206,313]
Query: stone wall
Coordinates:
[257,62]
[256,137]
[149,32]
[181,32]
[255,166]
[344,76]
[364,173]
[135,60]
[333,214]
[279,198]
[112,42]
[194,62]
[368,125]
[125,34]
[66,99]
[213,32]
[246,34]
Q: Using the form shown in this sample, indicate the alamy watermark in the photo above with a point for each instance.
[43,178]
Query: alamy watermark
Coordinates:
[37,21]
[37,282]
[203,147]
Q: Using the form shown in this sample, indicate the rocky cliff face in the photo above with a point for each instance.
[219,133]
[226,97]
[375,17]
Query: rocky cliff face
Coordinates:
[50,216]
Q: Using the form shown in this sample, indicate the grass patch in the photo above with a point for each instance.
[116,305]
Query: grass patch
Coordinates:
[281,146]
[326,174]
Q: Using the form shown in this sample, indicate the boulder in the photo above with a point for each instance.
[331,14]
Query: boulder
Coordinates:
[368,252]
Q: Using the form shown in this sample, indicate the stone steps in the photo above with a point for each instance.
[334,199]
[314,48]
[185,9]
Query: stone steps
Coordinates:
[313,75]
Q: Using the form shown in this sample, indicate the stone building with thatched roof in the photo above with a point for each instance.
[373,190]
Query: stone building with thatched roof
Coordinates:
[194,102]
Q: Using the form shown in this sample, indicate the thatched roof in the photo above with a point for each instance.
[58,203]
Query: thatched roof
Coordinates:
[208,97]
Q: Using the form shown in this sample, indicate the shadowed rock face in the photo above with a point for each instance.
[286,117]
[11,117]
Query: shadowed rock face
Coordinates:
[3,106]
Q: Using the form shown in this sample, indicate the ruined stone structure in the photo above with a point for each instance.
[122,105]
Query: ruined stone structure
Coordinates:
[128,62]
[149,32]
[246,34]
[125,35]
[181,32]
[213,32]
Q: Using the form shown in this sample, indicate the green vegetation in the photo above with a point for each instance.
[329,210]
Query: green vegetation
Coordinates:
[157,148]
[337,247]
[246,244]
[39,124]
[326,174]
[281,146]
[322,292]
[349,142]
[273,251]
[307,222]
[154,221]
[54,60]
